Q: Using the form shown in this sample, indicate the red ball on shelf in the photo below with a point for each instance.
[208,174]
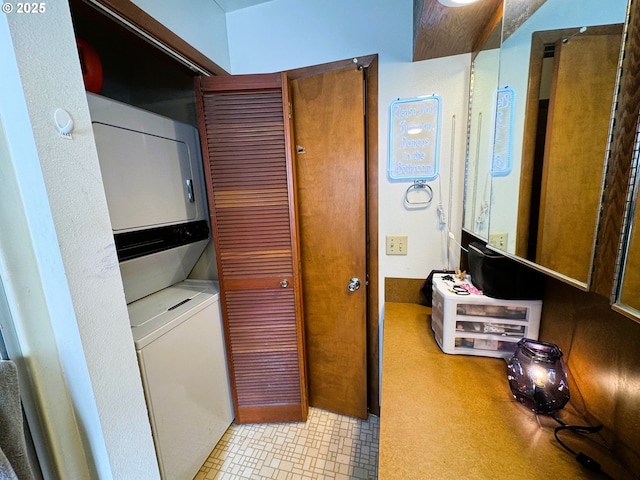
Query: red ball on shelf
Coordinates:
[91,66]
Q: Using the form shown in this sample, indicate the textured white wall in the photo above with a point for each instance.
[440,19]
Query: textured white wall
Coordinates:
[29,267]
[286,34]
[429,245]
[87,310]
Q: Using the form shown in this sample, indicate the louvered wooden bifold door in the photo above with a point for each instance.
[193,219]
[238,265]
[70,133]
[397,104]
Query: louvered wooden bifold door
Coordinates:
[246,140]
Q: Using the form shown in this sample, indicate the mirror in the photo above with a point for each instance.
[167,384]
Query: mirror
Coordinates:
[482,101]
[558,69]
[628,295]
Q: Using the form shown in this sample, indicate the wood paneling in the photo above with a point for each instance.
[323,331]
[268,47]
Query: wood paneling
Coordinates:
[619,161]
[246,143]
[519,12]
[404,290]
[441,31]
[601,356]
[630,288]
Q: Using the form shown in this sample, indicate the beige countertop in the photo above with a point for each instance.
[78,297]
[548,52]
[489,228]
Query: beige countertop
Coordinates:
[453,416]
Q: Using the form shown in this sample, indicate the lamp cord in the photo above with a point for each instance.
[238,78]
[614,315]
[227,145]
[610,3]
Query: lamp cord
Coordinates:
[582,458]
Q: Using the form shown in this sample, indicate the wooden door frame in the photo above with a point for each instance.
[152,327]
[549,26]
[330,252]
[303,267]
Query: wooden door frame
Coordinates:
[369,64]
[132,17]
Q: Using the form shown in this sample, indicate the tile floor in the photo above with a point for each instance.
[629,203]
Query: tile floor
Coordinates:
[327,446]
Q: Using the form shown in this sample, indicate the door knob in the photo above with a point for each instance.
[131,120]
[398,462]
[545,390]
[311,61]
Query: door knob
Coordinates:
[284,284]
[354,284]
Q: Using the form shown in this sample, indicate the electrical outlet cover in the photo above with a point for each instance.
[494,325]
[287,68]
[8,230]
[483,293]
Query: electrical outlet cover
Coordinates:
[499,240]
[396,245]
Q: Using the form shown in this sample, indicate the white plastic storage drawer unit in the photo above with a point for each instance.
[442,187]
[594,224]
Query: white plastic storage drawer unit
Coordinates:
[475,324]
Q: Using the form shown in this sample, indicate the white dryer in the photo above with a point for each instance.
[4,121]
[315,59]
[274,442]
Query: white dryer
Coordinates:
[153,181]
[179,341]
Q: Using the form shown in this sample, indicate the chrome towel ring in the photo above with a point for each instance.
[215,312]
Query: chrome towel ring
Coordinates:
[419,194]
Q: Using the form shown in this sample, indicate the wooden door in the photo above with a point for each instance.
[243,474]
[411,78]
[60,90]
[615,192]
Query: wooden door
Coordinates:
[246,144]
[579,114]
[330,169]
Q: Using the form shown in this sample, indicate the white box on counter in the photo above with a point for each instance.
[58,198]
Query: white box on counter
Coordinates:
[475,324]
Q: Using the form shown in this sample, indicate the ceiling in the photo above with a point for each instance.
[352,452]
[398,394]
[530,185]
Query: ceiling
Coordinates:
[438,31]
[231,5]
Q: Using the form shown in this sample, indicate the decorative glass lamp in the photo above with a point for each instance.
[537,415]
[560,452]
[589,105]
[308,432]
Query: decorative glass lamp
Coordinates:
[536,376]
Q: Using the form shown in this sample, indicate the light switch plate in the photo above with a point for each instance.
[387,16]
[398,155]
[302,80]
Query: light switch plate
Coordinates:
[396,245]
[499,240]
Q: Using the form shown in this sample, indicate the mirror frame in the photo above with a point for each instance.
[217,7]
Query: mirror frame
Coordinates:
[492,36]
[477,183]
[631,211]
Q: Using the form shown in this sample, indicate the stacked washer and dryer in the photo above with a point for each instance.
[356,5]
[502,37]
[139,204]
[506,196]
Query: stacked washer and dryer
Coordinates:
[152,173]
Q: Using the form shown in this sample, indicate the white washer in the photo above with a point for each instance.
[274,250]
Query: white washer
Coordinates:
[179,340]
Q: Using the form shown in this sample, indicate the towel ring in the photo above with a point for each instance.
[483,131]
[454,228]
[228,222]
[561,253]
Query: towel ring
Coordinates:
[419,186]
